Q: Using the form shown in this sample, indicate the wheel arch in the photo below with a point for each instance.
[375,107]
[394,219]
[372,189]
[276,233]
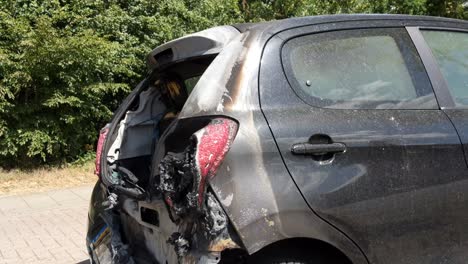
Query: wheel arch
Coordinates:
[302,247]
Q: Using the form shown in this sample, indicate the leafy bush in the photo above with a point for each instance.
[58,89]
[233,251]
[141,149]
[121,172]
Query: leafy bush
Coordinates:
[66,65]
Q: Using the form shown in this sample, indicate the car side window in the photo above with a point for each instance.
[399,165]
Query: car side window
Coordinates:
[450,50]
[358,69]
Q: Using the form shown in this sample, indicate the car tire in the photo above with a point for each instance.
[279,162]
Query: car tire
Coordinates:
[297,255]
[293,260]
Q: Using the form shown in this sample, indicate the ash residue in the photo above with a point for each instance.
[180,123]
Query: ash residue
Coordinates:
[214,219]
[176,179]
[179,183]
[181,244]
[179,180]
[111,202]
[174,174]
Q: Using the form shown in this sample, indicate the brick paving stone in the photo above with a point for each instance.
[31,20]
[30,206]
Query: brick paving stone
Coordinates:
[12,203]
[44,228]
[26,253]
[64,195]
[49,242]
[39,201]
[42,254]
[5,242]
[9,253]
[83,192]
[77,254]
[18,242]
[33,242]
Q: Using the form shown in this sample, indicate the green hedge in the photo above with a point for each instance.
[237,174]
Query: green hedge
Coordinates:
[66,65]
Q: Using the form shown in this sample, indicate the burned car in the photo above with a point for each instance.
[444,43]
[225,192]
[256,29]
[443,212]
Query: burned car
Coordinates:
[328,139]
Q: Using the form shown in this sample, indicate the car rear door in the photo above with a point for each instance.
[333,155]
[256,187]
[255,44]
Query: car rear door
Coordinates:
[359,128]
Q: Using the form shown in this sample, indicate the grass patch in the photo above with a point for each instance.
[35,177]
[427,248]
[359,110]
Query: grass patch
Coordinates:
[44,179]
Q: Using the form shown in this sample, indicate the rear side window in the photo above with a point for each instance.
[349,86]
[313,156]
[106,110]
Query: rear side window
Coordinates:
[450,50]
[358,69]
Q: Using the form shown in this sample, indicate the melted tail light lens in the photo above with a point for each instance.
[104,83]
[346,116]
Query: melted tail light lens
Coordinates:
[99,149]
[213,142]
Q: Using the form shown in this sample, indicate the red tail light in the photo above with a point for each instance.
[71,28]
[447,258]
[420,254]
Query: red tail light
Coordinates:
[213,142]
[99,149]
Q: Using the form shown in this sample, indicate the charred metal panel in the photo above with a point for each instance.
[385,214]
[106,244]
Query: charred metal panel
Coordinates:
[212,92]
[152,237]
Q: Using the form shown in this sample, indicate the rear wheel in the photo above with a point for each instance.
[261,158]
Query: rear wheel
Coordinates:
[298,252]
[297,259]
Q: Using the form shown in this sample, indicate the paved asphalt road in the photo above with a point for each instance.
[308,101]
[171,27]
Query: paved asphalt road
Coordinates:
[44,228]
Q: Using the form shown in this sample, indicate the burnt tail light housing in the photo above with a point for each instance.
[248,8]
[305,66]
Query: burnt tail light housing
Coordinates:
[100,148]
[212,144]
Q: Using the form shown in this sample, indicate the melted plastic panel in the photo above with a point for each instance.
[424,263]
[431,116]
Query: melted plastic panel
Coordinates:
[183,175]
[177,174]
[137,130]
[202,223]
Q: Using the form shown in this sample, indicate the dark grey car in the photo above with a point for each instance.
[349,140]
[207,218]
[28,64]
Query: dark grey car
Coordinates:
[329,139]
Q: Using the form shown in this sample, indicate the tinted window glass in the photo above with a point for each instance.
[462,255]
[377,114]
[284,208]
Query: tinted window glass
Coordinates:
[451,52]
[363,69]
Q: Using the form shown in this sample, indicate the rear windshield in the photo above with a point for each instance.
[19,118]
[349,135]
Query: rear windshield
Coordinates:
[358,69]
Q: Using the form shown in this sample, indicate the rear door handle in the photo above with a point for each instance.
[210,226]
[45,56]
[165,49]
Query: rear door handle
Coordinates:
[317,149]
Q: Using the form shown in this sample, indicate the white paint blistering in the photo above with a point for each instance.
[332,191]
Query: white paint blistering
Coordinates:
[220,107]
[265,216]
[228,200]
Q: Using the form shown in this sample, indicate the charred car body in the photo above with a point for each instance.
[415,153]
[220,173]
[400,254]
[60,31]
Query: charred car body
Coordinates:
[334,139]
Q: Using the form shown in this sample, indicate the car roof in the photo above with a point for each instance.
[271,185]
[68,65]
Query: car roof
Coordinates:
[212,40]
[279,25]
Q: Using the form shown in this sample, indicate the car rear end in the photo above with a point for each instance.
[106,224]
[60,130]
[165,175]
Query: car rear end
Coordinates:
[153,202]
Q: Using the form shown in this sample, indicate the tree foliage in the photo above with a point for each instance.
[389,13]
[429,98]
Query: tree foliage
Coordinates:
[66,64]
[258,10]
